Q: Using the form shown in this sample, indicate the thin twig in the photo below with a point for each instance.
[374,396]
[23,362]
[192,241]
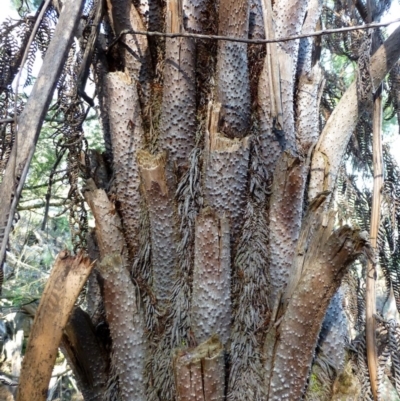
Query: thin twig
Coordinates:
[370,293]
[255,41]
[7,120]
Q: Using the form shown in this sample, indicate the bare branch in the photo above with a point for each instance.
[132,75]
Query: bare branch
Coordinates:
[62,289]
[255,41]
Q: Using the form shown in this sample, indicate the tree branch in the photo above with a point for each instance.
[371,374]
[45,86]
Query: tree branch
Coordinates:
[329,151]
[31,119]
[326,261]
[255,41]
[62,289]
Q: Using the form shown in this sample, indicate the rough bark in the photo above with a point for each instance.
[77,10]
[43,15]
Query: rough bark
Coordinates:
[127,138]
[226,164]
[211,297]
[326,261]
[329,151]
[163,223]
[256,20]
[31,119]
[199,372]
[307,106]
[288,18]
[62,289]
[192,14]
[124,318]
[304,64]
[178,110]
[309,85]
[269,97]
[232,80]
[285,215]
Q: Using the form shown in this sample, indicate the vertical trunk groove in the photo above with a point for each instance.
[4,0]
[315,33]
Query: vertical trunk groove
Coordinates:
[211,296]
[310,81]
[269,97]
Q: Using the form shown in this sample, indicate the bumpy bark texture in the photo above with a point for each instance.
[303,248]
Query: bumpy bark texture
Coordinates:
[120,298]
[326,261]
[211,299]
[192,14]
[163,223]
[307,106]
[286,207]
[309,85]
[200,373]
[233,86]
[178,114]
[289,18]
[126,138]
[226,164]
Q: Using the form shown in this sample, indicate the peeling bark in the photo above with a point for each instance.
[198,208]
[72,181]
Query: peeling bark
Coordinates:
[325,264]
[211,295]
[163,223]
[127,138]
[124,318]
[233,85]
[285,215]
[62,289]
[370,295]
[328,153]
[199,372]
[269,97]
[226,164]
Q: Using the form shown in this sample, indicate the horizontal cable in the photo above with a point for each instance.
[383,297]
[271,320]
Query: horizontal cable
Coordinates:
[255,41]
